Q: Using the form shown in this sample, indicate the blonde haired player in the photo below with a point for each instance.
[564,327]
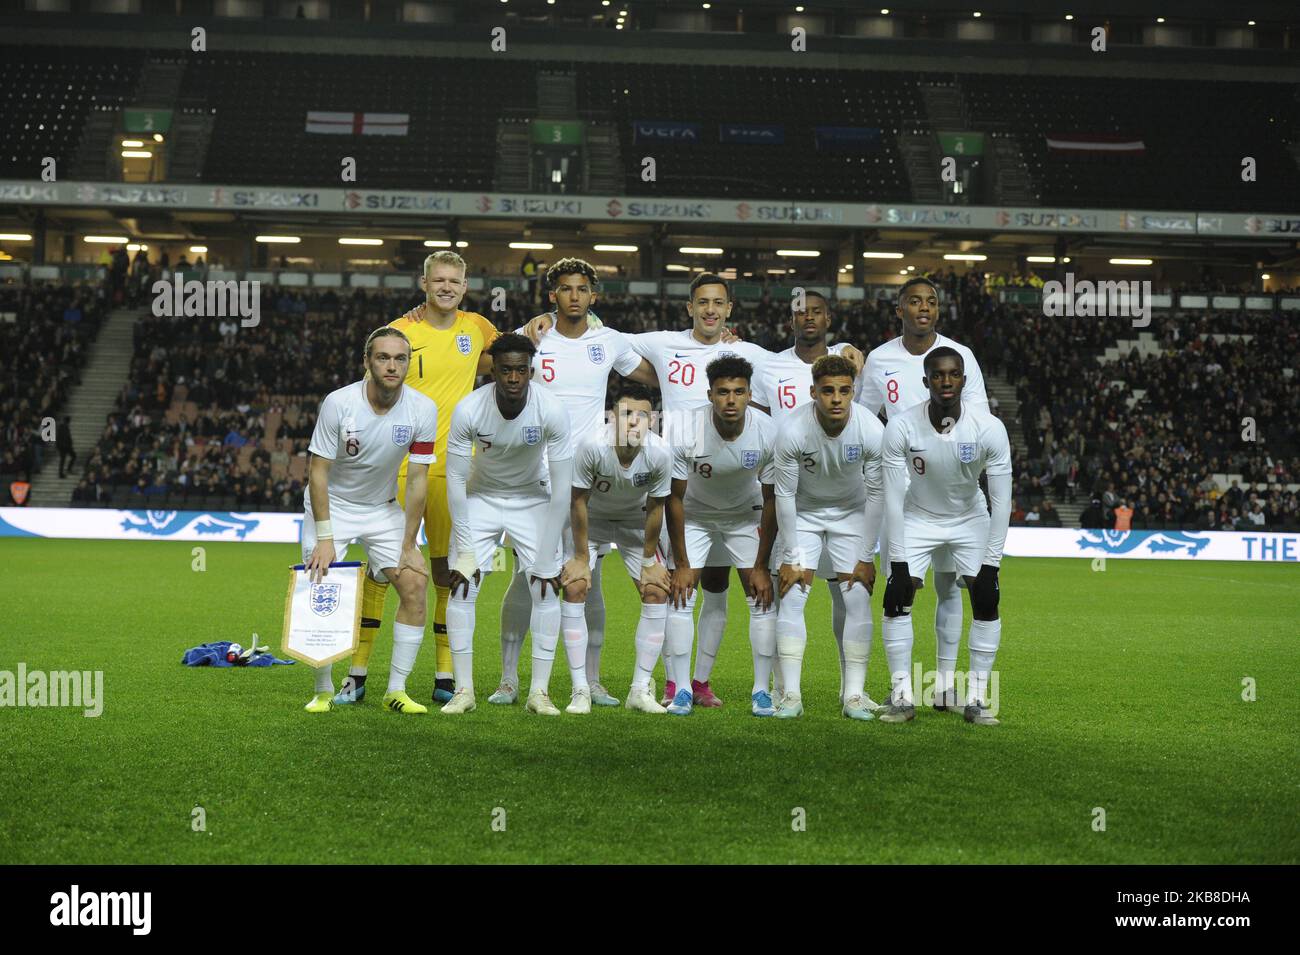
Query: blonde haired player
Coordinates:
[363,433]
[448,352]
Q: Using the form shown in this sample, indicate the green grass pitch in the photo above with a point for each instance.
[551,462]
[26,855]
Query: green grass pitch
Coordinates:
[1120,689]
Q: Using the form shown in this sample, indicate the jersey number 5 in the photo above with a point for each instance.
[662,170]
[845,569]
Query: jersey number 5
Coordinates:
[787,397]
[548,369]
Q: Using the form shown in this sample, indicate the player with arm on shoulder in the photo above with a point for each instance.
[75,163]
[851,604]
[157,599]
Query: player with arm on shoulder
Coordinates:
[447,353]
[573,363]
[722,514]
[615,479]
[943,445]
[363,432]
[509,471]
[892,382]
[829,503]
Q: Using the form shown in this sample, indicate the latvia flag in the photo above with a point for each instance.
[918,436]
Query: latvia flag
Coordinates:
[1095,143]
[358,124]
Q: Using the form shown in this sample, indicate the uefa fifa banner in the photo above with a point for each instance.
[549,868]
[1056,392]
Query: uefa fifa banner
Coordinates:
[80,523]
[322,620]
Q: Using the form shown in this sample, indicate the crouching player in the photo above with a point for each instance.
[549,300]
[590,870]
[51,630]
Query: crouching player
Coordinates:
[363,432]
[942,445]
[516,482]
[829,498]
[614,481]
[721,514]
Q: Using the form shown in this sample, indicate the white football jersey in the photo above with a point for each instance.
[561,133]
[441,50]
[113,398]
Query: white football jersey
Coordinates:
[785,382]
[944,469]
[821,472]
[892,378]
[619,493]
[576,370]
[680,361]
[723,477]
[508,454]
[367,448]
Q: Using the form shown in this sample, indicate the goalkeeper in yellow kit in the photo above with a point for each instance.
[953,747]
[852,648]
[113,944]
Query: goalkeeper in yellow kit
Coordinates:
[448,352]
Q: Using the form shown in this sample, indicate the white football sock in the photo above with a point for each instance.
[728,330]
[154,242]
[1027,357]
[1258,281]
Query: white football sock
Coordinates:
[679,634]
[713,622]
[857,639]
[898,655]
[545,623]
[516,607]
[762,642]
[792,638]
[947,630]
[984,638]
[325,679]
[649,642]
[460,635]
[573,624]
[407,638]
[837,626]
[595,615]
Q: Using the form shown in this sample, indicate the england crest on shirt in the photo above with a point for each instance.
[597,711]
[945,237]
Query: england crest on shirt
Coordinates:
[749,460]
[401,434]
[532,434]
[596,353]
[966,452]
[852,453]
[464,344]
[325,598]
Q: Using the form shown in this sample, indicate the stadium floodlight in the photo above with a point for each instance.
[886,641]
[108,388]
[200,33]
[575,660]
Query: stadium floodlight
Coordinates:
[675,267]
[541,246]
[284,239]
[799,253]
[1250,23]
[157,137]
[776,271]
[462,244]
[977,14]
[15,237]
[619,26]
[798,9]
[1130,261]
[136,154]
[699,250]
[1160,19]
[1066,259]
[104,239]
[132,143]
[882,255]
[884,12]
[615,248]
[706,6]
[1044,259]
[137,247]
[1266,276]
[964,257]
[911,268]
[361,241]
[198,249]
[1069,16]
[437,243]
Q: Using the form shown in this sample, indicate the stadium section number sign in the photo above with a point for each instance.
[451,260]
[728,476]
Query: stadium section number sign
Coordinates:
[146,120]
[550,132]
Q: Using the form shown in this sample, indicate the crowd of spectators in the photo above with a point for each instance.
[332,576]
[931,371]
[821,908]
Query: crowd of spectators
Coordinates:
[1137,438]
[45,330]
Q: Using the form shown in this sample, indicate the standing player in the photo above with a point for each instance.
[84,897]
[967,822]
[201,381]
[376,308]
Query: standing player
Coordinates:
[784,384]
[942,445]
[893,381]
[573,363]
[616,480]
[829,502]
[722,514]
[363,432]
[517,483]
[447,353]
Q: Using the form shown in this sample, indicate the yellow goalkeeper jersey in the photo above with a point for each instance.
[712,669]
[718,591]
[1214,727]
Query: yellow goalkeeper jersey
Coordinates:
[444,363]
